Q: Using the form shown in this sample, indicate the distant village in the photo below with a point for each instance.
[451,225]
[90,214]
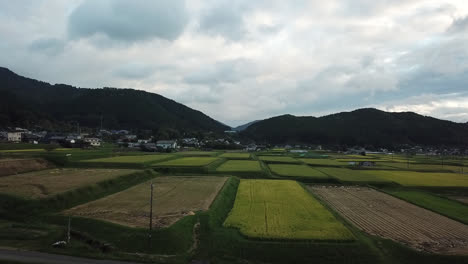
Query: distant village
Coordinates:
[127,140]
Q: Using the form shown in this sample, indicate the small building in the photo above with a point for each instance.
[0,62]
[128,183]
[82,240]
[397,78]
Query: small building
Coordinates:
[14,136]
[367,163]
[94,142]
[166,144]
[251,147]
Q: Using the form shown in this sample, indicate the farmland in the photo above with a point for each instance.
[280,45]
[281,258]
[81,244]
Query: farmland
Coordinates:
[405,178]
[452,209]
[174,197]
[41,184]
[411,178]
[278,159]
[423,167]
[296,170]
[240,166]
[380,214]
[15,166]
[348,175]
[235,155]
[188,162]
[323,162]
[278,209]
[198,153]
[140,159]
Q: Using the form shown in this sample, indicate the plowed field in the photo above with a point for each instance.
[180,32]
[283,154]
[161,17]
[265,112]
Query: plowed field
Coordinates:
[386,216]
[174,198]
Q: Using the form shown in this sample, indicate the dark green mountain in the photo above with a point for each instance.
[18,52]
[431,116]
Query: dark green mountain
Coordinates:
[360,127]
[27,103]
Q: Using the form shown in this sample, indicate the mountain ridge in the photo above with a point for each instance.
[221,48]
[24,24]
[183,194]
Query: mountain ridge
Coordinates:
[26,102]
[365,126]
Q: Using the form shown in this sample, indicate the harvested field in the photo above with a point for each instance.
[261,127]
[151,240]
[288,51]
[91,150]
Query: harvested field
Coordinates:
[463,199]
[188,162]
[41,184]
[296,171]
[282,209]
[15,166]
[174,198]
[383,215]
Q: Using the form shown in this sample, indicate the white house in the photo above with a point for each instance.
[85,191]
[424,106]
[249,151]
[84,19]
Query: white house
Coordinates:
[94,142]
[14,136]
[166,144]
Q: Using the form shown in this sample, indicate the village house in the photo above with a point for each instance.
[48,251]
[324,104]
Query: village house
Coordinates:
[94,142]
[14,136]
[166,144]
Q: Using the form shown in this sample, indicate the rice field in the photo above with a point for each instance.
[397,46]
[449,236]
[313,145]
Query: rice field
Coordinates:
[424,167]
[278,159]
[174,197]
[348,175]
[188,162]
[282,209]
[296,171]
[45,183]
[323,162]
[140,159]
[197,153]
[235,155]
[413,178]
[405,178]
[240,166]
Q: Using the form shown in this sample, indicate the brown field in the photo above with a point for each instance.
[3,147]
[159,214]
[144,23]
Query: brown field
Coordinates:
[383,215]
[15,166]
[174,198]
[41,184]
[463,199]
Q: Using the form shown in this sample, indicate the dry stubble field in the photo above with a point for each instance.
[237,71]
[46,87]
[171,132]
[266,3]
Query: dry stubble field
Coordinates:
[174,198]
[383,215]
[41,184]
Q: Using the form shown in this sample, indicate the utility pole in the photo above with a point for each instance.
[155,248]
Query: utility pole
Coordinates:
[69,232]
[151,215]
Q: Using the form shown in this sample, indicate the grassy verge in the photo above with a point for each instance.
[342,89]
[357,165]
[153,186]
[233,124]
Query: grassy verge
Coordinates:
[444,206]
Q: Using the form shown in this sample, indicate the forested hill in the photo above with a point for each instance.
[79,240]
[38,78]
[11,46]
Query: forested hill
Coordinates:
[360,127]
[27,103]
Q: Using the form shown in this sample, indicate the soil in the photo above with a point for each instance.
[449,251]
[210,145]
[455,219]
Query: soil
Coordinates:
[15,166]
[383,215]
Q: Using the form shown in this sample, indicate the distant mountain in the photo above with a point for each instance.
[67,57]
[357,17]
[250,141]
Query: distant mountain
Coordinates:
[360,127]
[26,103]
[244,126]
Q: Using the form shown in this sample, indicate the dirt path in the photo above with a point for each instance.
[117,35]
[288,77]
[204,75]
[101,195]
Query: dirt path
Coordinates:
[38,257]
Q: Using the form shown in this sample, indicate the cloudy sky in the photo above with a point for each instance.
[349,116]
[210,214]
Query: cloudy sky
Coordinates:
[239,61]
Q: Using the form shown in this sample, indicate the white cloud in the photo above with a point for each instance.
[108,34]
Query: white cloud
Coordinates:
[244,60]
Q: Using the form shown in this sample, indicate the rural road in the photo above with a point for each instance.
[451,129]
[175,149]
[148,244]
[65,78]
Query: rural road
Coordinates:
[46,258]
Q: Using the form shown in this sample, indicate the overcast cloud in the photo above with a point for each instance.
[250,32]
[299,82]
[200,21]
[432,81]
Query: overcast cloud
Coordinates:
[239,61]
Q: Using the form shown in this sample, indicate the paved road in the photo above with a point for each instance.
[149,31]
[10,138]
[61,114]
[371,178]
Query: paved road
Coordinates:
[45,258]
